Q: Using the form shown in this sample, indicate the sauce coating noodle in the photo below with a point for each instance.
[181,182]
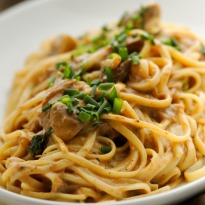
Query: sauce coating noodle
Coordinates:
[116,114]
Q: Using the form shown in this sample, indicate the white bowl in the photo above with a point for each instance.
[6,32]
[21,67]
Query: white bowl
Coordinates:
[25,26]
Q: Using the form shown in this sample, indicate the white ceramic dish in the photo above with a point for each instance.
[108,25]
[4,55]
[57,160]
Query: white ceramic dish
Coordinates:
[25,26]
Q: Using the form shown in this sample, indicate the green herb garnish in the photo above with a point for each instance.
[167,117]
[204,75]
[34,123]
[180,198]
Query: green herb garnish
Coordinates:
[84,117]
[135,57]
[89,99]
[123,52]
[109,74]
[80,95]
[104,105]
[113,94]
[95,82]
[94,88]
[60,65]
[105,86]
[113,55]
[39,142]
[117,105]
[47,107]
[105,149]
[71,92]
[171,42]
[51,81]
[121,37]
[148,37]
[65,99]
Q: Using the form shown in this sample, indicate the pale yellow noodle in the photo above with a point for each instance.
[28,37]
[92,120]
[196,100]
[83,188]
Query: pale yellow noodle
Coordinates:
[153,143]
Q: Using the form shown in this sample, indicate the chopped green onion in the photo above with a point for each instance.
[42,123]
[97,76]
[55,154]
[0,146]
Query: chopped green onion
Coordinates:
[113,55]
[96,82]
[81,108]
[79,72]
[47,107]
[70,107]
[68,102]
[129,27]
[88,80]
[74,101]
[105,86]
[79,96]
[65,99]
[88,107]
[123,52]
[135,60]
[113,94]
[61,64]
[98,38]
[71,92]
[51,81]
[101,96]
[84,117]
[78,51]
[121,37]
[171,42]
[95,115]
[109,74]
[104,43]
[148,37]
[114,45]
[94,88]
[117,105]
[135,57]
[105,149]
[93,49]
[68,73]
[90,100]
[107,109]
[77,78]
[104,105]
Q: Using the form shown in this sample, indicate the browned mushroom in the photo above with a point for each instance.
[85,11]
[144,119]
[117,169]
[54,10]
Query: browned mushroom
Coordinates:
[134,44]
[121,73]
[65,125]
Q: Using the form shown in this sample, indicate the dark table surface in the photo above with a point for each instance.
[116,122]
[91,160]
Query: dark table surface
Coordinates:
[197,200]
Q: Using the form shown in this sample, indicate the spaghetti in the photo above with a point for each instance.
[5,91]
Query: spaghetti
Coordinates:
[115,114]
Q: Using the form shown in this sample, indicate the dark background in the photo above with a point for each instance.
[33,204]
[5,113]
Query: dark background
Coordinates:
[197,200]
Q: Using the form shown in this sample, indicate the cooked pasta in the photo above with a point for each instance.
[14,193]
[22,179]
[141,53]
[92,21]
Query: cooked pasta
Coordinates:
[118,113]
